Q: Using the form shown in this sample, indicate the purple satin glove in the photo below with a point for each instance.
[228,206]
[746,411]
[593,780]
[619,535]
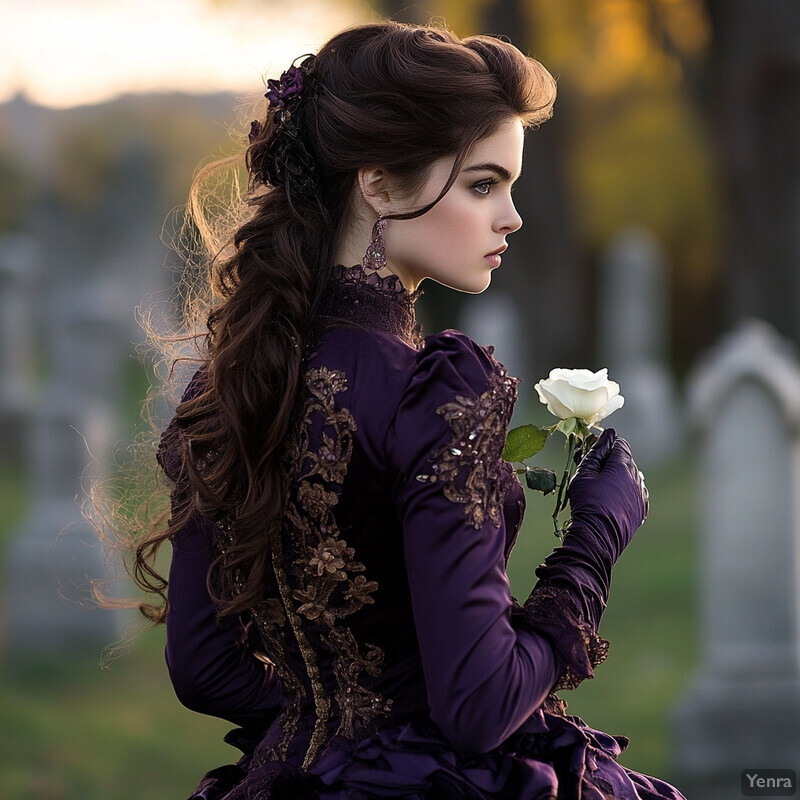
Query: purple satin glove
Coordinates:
[607,496]
[608,502]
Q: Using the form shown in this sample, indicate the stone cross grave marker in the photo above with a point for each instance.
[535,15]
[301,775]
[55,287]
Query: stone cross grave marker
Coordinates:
[743,709]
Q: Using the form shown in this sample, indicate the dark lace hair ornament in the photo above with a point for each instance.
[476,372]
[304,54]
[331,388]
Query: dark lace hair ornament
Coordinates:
[287,161]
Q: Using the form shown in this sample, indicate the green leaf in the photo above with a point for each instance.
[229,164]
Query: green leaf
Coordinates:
[524,442]
[541,480]
[568,426]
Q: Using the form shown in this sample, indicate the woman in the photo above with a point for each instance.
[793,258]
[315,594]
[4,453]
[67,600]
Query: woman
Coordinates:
[341,514]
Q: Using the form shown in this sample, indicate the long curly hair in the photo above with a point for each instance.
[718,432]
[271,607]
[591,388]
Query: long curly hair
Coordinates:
[389,94]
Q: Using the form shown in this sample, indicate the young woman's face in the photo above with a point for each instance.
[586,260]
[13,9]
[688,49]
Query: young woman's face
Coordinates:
[458,242]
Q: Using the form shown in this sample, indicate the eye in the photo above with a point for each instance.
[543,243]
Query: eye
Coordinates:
[484,188]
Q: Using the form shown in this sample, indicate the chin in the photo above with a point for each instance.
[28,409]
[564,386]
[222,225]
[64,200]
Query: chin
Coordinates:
[478,284]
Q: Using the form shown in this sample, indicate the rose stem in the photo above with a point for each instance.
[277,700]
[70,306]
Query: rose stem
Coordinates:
[561,500]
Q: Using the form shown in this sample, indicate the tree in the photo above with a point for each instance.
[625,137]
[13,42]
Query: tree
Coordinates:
[749,91]
[543,273]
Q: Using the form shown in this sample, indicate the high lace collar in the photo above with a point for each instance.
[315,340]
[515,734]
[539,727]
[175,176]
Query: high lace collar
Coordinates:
[368,299]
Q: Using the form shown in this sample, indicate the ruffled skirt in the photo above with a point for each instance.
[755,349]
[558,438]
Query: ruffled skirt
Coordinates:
[550,757]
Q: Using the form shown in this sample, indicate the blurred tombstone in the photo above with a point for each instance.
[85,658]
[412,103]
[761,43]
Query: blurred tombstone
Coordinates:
[492,318]
[132,211]
[20,264]
[634,335]
[743,710]
[56,554]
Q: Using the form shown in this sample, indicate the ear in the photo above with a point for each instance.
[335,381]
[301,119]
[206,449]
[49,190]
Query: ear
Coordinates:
[373,183]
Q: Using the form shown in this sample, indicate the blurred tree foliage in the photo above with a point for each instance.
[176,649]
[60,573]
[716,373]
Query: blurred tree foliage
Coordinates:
[680,115]
[16,192]
[635,151]
[684,116]
[90,181]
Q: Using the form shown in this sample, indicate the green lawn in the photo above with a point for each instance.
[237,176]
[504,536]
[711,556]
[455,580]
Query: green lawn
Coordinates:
[74,731]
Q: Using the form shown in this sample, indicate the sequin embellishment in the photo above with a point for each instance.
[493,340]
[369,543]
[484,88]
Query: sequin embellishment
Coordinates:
[470,465]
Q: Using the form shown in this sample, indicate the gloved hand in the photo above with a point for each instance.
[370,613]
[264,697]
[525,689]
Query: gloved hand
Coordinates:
[608,502]
[607,495]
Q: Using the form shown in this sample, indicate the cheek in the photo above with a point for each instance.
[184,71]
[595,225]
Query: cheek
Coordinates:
[419,238]
[454,226]
[441,243]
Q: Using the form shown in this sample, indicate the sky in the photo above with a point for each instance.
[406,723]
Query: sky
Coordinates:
[63,53]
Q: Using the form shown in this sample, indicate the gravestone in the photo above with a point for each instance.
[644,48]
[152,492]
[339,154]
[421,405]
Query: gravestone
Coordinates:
[20,264]
[492,318]
[634,336]
[55,553]
[743,709]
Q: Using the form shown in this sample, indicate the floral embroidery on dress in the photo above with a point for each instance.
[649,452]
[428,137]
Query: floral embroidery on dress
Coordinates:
[470,465]
[269,617]
[318,574]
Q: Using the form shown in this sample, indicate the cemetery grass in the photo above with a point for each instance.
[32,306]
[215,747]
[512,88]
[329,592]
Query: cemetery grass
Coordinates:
[75,730]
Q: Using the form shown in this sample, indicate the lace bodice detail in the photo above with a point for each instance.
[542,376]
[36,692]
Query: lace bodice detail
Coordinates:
[374,301]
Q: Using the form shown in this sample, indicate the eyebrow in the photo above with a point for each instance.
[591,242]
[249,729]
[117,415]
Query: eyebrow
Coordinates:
[490,166]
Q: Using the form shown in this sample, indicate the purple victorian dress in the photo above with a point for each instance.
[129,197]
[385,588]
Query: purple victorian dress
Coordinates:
[389,658]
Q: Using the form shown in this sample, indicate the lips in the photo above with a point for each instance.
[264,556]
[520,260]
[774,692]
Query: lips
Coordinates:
[493,259]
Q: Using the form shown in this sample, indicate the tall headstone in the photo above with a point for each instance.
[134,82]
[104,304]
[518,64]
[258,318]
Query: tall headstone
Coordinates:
[492,318]
[20,264]
[56,554]
[634,335]
[743,710]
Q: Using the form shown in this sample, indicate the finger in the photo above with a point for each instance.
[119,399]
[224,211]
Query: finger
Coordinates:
[621,455]
[584,447]
[645,494]
[594,460]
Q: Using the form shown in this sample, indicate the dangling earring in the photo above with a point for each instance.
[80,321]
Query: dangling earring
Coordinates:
[375,257]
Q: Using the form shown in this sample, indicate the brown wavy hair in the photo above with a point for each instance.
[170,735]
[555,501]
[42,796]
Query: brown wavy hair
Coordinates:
[388,94]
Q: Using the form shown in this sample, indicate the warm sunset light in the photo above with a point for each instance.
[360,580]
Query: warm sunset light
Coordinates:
[64,54]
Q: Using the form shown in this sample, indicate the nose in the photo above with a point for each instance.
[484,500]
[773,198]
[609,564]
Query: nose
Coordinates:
[510,220]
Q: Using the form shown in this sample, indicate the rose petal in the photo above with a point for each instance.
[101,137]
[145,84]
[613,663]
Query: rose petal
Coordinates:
[580,393]
[614,404]
[553,403]
[585,404]
[568,401]
[580,377]
[567,396]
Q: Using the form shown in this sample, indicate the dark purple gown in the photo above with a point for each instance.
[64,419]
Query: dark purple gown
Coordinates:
[399,665]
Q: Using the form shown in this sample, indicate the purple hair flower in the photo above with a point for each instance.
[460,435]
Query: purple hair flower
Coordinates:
[285,159]
[289,85]
[255,131]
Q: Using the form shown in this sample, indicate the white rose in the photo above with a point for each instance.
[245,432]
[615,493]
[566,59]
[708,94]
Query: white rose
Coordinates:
[580,393]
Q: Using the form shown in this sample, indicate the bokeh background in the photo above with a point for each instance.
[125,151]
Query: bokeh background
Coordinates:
[673,154]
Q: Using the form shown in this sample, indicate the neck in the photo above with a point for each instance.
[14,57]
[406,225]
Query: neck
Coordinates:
[354,243]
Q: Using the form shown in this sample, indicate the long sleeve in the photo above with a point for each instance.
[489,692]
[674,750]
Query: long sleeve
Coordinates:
[211,665]
[608,502]
[483,677]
